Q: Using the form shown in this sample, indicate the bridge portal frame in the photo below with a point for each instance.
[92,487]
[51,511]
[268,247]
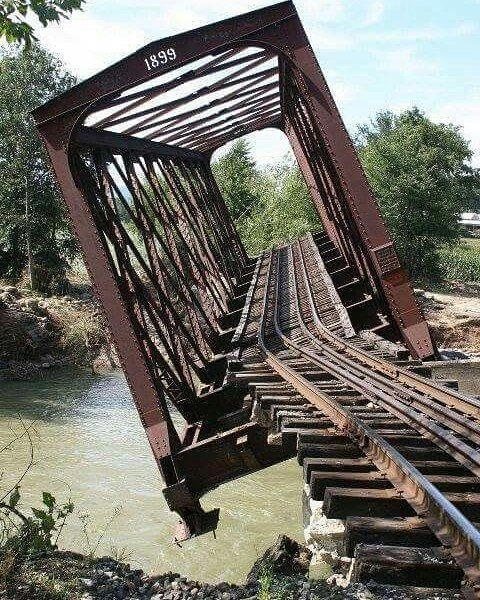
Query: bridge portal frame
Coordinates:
[339,189]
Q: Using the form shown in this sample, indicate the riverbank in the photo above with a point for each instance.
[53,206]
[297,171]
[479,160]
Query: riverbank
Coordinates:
[88,420]
[39,333]
[70,576]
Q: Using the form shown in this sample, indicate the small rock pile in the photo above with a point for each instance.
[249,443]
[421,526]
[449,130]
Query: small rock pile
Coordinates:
[111,580]
[72,576]
[281,571]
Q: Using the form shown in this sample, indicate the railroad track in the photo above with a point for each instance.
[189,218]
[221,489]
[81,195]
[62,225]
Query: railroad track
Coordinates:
[393,454]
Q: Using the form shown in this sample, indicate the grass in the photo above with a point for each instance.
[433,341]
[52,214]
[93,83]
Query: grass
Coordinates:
[266,581]
[84,334]
[472,242]
[461,262]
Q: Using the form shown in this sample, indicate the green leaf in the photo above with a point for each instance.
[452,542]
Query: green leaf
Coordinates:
[12,12]
[48,500]
[47,522]
[14,497]
[40,514]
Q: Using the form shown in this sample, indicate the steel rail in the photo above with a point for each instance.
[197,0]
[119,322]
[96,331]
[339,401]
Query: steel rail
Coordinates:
[467,405]
[451,527]
[248,306]
[407,397]
[454,419]
[393,401]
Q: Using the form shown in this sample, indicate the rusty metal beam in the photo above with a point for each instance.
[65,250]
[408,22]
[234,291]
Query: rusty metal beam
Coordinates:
[133,70]
[91,137]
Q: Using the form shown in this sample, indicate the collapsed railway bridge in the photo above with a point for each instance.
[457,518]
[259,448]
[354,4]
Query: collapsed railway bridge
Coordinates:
[313,349]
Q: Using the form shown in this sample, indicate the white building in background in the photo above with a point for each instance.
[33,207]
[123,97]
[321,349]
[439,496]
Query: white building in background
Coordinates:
[470,220]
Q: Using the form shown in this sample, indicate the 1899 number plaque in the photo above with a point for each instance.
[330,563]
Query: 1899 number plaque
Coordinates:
[160,58]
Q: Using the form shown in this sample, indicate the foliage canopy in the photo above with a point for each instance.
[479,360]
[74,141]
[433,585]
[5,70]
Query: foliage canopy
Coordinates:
[14,25]
[269,206]
[238,178]
[421,175]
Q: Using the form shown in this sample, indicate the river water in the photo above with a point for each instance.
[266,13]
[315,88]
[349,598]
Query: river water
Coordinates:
[89,444]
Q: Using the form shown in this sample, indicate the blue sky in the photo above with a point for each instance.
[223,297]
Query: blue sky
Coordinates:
[376,54]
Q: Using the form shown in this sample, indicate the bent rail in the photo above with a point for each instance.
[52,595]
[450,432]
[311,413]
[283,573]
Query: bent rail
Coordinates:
[452,528]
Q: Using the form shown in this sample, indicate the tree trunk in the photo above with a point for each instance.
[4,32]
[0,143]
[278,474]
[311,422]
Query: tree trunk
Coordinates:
[31,265]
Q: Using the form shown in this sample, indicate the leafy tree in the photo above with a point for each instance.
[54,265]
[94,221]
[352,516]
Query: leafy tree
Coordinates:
[14,26]
[269,206]
[33,222]
[473,204]
[421,176]
[237,178]
[284,212]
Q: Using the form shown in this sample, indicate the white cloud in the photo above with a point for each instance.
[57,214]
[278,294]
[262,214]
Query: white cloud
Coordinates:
[426,34]
[327,11]
[342,91]
[406,62]
[466,114]
[322,38]
[87,45]
[181,19]
[375,13]
[182,15]
[268,147]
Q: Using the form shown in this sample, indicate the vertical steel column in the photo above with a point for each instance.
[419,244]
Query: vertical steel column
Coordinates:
[148,399]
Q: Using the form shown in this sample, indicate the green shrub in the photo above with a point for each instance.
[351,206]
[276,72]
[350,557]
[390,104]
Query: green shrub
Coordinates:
[27,537]
[36,533]
[270,205]
[422,177]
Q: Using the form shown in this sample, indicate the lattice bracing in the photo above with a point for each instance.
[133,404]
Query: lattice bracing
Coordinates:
[132,149]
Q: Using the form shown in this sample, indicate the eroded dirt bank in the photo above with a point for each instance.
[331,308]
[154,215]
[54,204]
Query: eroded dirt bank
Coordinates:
[453,313]
[39,333]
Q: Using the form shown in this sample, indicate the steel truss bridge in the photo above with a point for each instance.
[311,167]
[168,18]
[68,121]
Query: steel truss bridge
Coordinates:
[314,349]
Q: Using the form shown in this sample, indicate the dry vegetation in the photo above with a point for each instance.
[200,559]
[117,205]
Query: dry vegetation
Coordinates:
[38,332]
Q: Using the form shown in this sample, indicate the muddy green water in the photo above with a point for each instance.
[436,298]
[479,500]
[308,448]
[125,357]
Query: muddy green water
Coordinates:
[89,443]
